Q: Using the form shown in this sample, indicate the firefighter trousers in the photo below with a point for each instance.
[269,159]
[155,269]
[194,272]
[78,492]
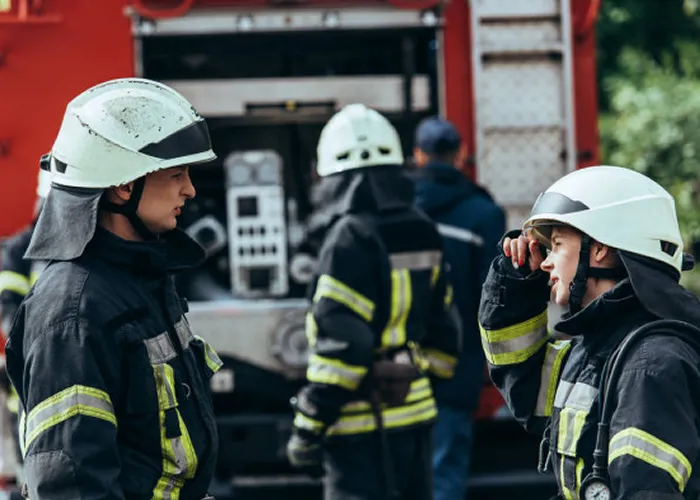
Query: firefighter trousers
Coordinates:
[355,465]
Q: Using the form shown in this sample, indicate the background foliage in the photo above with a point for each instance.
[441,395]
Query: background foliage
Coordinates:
[649,90]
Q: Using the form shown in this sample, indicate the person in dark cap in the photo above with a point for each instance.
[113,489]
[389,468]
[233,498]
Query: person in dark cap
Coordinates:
[471,224]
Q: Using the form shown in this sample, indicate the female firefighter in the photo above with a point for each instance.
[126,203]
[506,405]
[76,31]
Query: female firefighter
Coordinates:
[614,256]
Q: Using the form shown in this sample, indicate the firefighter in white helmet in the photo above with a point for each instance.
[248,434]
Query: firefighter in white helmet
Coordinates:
[379,323]
[113,386]
[17,275]
[613,254]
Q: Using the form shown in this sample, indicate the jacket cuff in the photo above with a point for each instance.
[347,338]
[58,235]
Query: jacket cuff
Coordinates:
[507,286]
[311,419]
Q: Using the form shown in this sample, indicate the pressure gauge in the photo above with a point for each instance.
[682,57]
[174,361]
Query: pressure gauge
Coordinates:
[240,174]
[595,489]
[267,172]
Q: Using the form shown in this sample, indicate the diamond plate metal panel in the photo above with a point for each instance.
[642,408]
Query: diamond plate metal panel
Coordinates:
[521,94]
[515,8]
[517,165]
[516,216]
[523,36]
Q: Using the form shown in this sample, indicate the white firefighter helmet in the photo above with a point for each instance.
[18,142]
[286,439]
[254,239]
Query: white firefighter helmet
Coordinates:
[357,137]
[615,206]
[123,129]
[43,185]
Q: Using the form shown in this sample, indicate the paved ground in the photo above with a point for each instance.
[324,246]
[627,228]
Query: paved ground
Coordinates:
[504,486]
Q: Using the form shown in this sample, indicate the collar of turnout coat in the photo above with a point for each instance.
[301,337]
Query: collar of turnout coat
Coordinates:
[604,314]
[369,190]
[173,252]
[658,289]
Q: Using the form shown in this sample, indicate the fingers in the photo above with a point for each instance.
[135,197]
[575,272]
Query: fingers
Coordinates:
[516,250]
[506,246]
[536,257]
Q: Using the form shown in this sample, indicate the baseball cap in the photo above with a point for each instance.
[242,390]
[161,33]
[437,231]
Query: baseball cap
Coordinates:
[437,136]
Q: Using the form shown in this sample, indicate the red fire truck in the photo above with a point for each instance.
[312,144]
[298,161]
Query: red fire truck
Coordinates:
[517,78]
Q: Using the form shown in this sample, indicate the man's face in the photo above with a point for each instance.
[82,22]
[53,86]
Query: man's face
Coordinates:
[164,195]
[562,261]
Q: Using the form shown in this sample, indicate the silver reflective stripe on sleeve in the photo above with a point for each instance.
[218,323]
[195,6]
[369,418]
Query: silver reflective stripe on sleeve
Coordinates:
[330,288]
[652,450]
[70,402]
[330,371]
[516,343]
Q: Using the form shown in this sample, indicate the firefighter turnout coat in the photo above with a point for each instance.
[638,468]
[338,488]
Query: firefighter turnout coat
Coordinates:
[552,386]
[113,384]
[16,276]
[381,288]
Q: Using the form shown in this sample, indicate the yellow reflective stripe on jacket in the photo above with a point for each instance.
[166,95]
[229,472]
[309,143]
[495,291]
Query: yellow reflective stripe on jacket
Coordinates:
[302,421]
[575,401]
[515,344]
[70,402]
[36,269]
[449,293]
[440,363]
[567,493]
[435,274]
[401,297]
[324,370]
[14,282]
[401,416]
[420,390]
[311,329]
[33,276]
[212,359]
[420,360]
[652,450]
[555,354]
[179,458]
[12,400]
[579,474]
[333,289]
[570,485]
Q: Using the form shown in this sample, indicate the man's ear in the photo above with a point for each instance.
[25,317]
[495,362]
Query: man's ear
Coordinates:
[419,157]
[599,252]
[121,194]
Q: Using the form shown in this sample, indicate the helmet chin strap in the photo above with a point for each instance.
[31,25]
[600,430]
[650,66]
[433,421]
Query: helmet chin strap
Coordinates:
[129,210]
[578,286]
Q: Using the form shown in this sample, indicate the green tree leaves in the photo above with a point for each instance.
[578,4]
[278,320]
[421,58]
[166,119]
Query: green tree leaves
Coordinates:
[650,96]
